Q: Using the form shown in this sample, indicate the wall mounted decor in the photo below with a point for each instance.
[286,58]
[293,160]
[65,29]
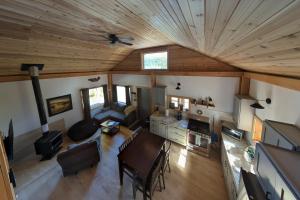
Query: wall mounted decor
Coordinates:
[59,104]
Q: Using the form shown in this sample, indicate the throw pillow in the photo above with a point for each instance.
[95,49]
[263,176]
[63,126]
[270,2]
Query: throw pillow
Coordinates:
[129,109]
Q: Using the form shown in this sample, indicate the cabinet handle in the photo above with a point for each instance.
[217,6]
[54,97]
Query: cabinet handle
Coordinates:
[282,194]
[268,194]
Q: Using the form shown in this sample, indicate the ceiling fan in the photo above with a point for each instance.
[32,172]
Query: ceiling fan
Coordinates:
[113,38]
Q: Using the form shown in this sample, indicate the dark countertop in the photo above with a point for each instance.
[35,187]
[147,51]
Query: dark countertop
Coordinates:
[287,163]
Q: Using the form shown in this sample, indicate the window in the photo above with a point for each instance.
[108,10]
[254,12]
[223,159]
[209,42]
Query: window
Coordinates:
[157,60]
[96,97]
[175,102]
[121,94]
[257,129]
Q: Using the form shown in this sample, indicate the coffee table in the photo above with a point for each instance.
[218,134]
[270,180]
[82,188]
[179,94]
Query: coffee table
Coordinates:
[110,127]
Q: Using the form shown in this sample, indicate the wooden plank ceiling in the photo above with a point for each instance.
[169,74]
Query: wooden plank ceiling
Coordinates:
[254,35]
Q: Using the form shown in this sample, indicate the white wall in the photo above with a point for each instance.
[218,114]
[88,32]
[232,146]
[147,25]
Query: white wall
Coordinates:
[134,80]
[285,106]
[17,101]
[220,89]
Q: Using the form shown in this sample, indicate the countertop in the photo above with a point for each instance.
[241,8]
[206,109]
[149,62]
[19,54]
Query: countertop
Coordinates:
[235,151]
[171,121]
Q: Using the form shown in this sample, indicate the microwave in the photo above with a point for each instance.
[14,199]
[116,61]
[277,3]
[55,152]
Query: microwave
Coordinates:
[228,128]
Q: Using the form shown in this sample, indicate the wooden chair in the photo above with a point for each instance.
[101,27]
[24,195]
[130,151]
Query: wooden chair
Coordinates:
[166,161]
[167,156]
[153,179]
[125,144]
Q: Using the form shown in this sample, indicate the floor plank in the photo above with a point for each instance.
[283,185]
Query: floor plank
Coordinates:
[192,177]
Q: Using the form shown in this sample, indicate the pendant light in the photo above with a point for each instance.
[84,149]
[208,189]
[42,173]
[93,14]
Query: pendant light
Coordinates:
[257,105]
[178,86]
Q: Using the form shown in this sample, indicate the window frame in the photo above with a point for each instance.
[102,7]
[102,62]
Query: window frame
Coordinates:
[99,104]
[117,93]
[180,99]
[153,51]
[254,135]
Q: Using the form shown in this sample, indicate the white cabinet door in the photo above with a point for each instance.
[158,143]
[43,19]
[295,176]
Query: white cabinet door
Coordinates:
[282,191]
[266,173]
[163,130]
[177,135]
[154,126]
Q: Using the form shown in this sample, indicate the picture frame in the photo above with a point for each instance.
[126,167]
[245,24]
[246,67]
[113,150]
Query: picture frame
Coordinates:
[59,104]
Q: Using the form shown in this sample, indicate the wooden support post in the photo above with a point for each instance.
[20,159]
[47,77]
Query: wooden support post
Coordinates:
[153,80]
[244,85]
[153,84]
[109,87]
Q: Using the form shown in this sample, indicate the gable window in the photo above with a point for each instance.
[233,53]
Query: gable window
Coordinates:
[176,102]
[155,61]
[121,94]
[96,97]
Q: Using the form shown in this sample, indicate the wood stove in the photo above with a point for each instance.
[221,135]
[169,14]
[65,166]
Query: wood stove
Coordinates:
[50,142]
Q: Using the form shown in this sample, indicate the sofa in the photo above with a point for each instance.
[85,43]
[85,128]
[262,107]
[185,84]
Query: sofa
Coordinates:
[119,112]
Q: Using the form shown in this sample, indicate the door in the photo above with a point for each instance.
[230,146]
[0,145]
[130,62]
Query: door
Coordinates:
[6,189]
[143,102]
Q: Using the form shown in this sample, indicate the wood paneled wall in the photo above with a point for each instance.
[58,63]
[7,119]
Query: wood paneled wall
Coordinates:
[179,59]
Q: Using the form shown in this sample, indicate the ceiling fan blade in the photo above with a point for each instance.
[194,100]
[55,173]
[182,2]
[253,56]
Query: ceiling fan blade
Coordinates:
[126,38]
[127,43]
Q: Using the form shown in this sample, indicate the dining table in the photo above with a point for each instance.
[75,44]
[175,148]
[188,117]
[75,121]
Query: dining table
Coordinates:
[140,155]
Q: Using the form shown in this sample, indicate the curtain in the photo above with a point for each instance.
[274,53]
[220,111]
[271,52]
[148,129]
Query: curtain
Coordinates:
[86,103]
[105,93]
[127,89]
[114,94]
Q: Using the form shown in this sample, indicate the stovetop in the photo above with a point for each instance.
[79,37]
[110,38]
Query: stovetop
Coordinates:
[199,126]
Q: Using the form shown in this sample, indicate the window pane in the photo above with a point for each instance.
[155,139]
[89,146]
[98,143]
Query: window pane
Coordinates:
[175,101]
[121,94]
[96,96]
[186,104]
[157,60]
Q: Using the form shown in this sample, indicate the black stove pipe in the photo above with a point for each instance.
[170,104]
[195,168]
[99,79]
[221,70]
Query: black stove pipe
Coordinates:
[39,99]
[33,70]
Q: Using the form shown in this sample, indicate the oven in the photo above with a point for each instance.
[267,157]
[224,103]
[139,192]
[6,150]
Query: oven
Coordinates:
[199,137]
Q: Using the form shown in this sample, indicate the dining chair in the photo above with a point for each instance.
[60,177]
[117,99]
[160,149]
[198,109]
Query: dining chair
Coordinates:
[167,156]
[125,144]
[137,131]
[151,183]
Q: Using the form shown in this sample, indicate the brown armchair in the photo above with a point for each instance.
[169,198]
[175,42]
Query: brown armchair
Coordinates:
[79,157]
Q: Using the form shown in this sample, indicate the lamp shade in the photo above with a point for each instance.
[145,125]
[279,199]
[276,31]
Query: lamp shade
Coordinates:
[257,106]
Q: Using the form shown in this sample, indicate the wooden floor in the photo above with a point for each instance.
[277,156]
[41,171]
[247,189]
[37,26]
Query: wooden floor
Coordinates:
[192,177]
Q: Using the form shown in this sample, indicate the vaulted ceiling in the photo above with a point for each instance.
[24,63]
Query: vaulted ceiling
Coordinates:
[66,35]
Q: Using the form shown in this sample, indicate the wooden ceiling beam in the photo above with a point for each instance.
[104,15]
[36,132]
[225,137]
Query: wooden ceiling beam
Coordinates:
[290,83]
[182,73]
[24,77]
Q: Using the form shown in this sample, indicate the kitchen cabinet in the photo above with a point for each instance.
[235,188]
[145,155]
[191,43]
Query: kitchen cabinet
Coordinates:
[169,128]
[154,125]
[281,134]
[277,170]
[243,112]
[177,135]
[163,130]
[228,177]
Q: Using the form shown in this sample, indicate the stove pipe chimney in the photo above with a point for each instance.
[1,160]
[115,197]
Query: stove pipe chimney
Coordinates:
[33,70]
